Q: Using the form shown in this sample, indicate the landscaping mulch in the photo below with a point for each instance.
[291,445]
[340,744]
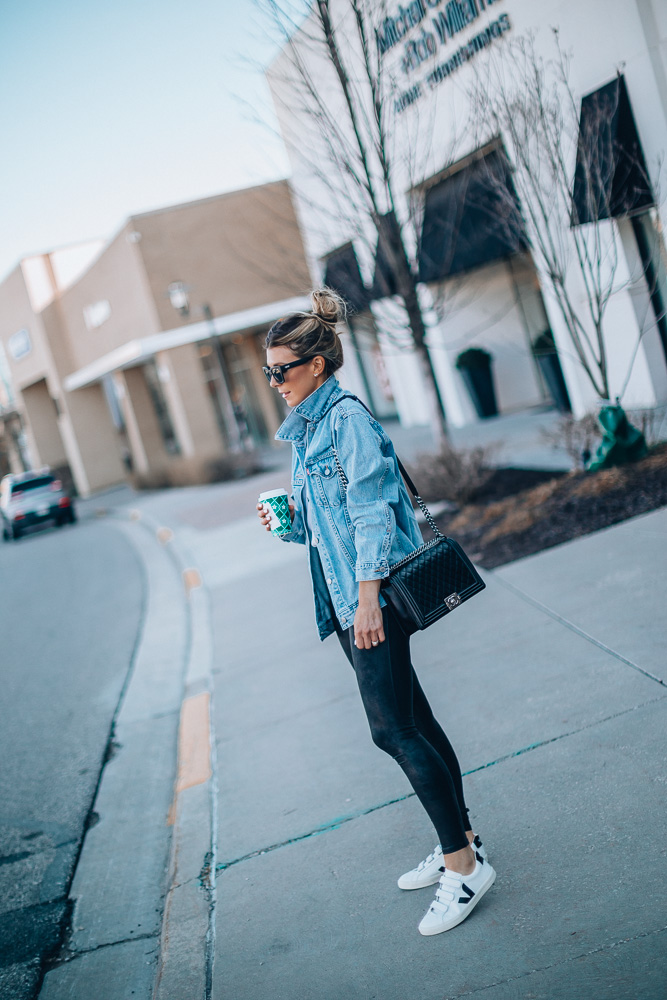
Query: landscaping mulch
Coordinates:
[521,511]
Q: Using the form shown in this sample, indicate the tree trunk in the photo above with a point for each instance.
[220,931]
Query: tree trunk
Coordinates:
[391,236]
[437,406]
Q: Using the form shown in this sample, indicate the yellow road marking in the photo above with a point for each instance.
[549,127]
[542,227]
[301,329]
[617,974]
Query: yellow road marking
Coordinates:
[194,749]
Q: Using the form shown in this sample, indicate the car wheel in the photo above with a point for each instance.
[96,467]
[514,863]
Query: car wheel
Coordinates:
[60,520]
[6,537]
[71,517]
[16,533]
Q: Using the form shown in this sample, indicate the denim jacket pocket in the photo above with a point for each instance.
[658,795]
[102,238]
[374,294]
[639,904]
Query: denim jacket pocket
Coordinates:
[325,481]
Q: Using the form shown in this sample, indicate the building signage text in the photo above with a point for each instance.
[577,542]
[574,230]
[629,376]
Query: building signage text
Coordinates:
[446,23]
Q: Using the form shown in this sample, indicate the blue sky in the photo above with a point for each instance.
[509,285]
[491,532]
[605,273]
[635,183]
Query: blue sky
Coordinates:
[112,107]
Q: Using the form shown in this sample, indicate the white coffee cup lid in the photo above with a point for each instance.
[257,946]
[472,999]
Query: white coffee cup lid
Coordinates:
[272,493]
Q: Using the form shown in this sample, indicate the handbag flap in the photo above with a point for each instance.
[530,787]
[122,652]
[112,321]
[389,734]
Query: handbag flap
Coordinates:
[434,574]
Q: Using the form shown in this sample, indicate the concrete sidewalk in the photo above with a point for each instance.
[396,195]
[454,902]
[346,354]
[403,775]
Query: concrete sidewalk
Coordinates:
[551,685]
[516,439]
[285,850]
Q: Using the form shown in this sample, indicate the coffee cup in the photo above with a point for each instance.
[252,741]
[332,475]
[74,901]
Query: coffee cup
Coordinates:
[276,505]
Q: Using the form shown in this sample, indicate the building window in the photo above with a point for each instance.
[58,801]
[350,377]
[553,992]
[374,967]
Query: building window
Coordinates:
[7,398]
[161,409]
[341,272]
[651,249]
[239,362]
[610,178]
[217,390]
[471,218]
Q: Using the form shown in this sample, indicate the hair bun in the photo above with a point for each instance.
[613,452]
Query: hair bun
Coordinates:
[328,305]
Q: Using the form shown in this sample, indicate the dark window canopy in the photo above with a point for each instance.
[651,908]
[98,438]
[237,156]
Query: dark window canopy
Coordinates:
[471,218]
[389,244]
[343,276]
[610,178]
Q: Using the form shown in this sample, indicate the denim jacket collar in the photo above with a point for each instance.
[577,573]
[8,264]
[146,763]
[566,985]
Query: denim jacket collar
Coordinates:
[311,410]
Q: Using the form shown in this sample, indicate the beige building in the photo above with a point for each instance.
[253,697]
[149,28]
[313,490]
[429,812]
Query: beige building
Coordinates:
[144,355]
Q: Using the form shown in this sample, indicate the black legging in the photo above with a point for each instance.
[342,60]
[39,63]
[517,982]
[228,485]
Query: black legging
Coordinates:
[403,725]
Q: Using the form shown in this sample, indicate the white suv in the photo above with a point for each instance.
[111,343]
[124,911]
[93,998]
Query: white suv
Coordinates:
[33,498]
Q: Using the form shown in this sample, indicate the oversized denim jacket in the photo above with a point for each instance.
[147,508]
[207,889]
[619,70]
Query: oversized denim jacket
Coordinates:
[359,532]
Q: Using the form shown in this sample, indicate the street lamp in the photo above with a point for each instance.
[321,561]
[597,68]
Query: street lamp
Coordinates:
[178,296]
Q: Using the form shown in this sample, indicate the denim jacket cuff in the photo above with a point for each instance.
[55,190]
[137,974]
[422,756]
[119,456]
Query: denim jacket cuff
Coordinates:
[372,571]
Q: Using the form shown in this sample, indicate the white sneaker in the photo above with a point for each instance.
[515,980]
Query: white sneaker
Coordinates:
[456,897]
[429,870]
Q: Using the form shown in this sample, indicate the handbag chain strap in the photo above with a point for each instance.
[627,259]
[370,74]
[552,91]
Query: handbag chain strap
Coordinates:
[424,509]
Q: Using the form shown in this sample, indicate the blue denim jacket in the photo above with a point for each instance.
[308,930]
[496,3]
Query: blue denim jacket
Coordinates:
[359,532]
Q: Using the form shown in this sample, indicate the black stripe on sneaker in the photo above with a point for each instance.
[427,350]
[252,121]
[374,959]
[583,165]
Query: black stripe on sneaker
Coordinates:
[466,899]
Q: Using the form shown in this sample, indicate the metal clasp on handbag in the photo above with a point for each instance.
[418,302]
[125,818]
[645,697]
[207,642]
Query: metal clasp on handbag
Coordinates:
[453,601]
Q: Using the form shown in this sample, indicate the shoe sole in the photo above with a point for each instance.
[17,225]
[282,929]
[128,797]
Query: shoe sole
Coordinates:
[429,932]
[421,885]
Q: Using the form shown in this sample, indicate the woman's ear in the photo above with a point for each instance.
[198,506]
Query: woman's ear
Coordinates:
[318,365]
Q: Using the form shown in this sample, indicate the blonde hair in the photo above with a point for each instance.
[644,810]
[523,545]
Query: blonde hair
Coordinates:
[313,334]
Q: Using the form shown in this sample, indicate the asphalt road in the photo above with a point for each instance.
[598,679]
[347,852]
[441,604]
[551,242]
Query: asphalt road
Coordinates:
[70,611]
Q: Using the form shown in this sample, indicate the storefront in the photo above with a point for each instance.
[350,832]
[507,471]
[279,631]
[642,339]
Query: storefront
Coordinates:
[486,235]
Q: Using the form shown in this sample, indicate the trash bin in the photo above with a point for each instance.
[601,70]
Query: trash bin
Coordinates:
[476,371]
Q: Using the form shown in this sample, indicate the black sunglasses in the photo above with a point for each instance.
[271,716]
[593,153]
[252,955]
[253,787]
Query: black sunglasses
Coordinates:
[278,371]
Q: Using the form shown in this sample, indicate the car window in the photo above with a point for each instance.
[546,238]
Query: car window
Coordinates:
[32,484]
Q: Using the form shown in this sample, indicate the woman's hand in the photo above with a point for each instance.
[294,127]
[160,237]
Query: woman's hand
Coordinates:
[368,628]
[264,514]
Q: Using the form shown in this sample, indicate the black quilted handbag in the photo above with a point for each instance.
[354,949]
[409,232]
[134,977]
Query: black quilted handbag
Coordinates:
[433,580]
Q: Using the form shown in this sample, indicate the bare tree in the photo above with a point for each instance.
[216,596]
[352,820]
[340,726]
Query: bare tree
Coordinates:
[336,83]
[564,177]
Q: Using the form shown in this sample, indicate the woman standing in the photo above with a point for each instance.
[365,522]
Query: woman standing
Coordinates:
[353,536]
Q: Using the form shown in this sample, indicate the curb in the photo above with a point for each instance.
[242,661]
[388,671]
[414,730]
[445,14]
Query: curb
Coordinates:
[187,938]
[185,966]
[143,893]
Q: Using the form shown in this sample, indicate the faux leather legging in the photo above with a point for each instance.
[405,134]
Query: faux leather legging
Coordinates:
[403,725]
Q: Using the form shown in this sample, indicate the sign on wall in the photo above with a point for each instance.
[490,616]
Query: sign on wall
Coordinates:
[19,344]
[433,27]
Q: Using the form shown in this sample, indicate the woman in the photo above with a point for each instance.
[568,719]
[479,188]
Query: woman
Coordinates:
[353,536]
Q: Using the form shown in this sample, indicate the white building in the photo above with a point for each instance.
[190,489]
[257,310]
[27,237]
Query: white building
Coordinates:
[471,223]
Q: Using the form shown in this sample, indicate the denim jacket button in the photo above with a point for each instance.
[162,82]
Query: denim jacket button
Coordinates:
[329,580]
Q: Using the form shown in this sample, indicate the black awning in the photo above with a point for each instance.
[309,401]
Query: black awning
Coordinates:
[470,219]
[388,245]
[610,178]
[343,276]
